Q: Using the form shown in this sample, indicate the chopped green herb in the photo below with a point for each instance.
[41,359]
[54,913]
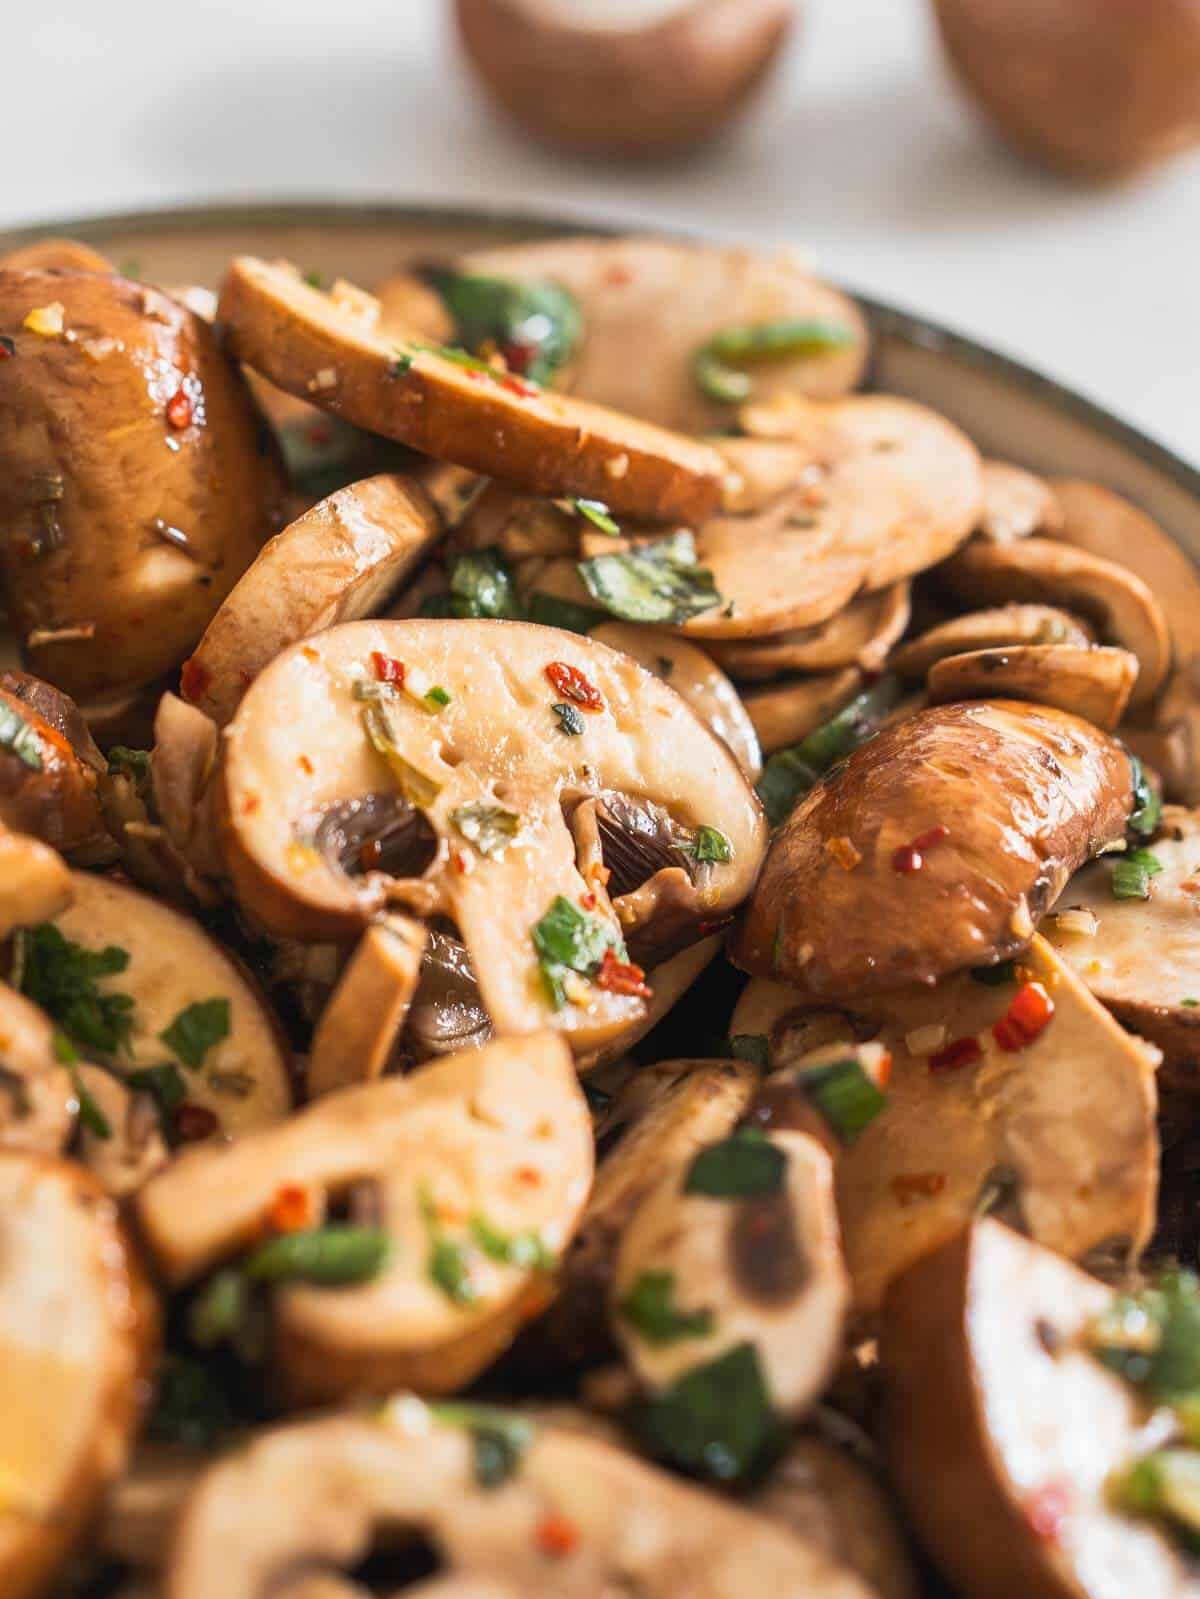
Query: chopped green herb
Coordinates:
[400,365]
[649,1307]
[197,1029]
[90,1114]
[379,723]
[219,1310]
[1147,802]
[567,939]
[995,976]
[791,772]
[537,327]
[597,514]
[490,828]
[665,665]
[715,365]
[657,582]
[570,720]
[498,1437]
[61,977]
[527,1250]
[134,764]
[1190,1003]
[1164,1484]
[845,1095]
[164,1084]
[437,699]
[482,585]
[332,1256]
[1152,1338]
[447,1265]
[742,1166]
[17,735]
[752,1047]
[710,844]
[131,267]
[1132,872]
[551,611]
[716,1421]
[190,1407]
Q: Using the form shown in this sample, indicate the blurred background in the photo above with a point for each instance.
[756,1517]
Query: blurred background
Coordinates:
[861,146]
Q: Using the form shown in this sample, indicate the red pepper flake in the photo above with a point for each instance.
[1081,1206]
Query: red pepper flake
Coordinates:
[1026,1019]
[518,354]
[251,804]
[461,864]
[716,926]
[530,1176]
[910,857]
[883,1073]
[621,977]
[193,1122]
[370,853]
[305,765]
[519,386]
[179,410]
[7,347]
[619,276]
[193,679]
[1047,1509]
[291,1210]
[387,668]
[570,682]
[556,1536]
[588,900]
[911,1186]
[962,1052]
[601,874]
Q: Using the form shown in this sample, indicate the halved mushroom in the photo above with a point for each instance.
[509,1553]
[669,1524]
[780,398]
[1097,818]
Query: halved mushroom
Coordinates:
[696,678]
[359,1026]
[436,749]
[120,1137]
[572,1516]
[1093,681]
[135,487]
[1020,1096]
[1039,569]
[791,709]
[478,416]
[159,993]
[478,1167]
[1016,504]
[49,779]
[339,561]
[937,845]
[78,1334]
[862,635]
[37,1098]
[35,881]
[993,1395]
[738,1246]
[1132,934]
[652,307]
[999,628]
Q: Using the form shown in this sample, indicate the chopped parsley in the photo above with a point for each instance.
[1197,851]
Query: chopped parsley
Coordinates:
[197,1029]
[90,1115]
[1147,803]
[164,1084]
[536,327]
[742,1166]
[61,976]
[1152,1338]
[1190,1003]
[379,724]
[847,1097]
[569,940]
[650,1309]
[527,1250]
[658,582]
[570,720]
[710,844]
[716,364]
[499,1439]
[489,828]
[482,585]
[716,1421]
[791,772]
[134,764]
[18,736]
[552,611]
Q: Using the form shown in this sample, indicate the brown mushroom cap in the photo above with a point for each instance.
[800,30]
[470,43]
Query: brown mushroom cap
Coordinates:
[127,518]
[48,788]
[862,635]
[1059,1136]
[78,1332]
[1016,504]
[1024,795]
[320,349]
[1091,681]
[991,1394]
[996,628]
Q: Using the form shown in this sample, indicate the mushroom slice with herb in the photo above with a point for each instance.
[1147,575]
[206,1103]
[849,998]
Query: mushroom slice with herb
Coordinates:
[453,406]
[939,844]
[1016,503]
[862,635]
[453,752]
[1010,1089]
[664,321]
[668,983]
[1131,931]
[993,1392]
[477,1167]
[1092,681]
[35,881]
[78,1334]
[787,711]
[999,628]
[135,487]
[337,562]
[1111,595]
[135,984]
[734,1254]
[543,1509]
[358,1028]
[37,1096]
[49,780]
[120,1138]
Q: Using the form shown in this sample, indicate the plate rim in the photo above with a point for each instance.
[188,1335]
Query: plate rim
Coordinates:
[885,316]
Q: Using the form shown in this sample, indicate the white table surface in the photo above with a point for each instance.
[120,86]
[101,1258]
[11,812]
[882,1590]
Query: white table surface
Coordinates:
[862,150]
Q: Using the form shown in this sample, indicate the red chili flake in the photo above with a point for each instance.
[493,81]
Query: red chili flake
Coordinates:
[530,1176]
[619,276]
[883,1075]
[251,804]
[910,857]
[962,1052]
[621,977]
[570,682]
[7,347]
[370,853]
[305,765]
[1026,1019]
[588,900]
[461,864]
[179,410]
[518,354]
[291,1210]
[721,922]
[387,668]
[555,1535]
[911,1186]
[518,386]
[1047,1509]
[194,679]
[193,1122]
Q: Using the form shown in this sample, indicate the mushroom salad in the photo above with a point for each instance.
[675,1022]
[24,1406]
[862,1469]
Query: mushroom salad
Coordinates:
[599,954]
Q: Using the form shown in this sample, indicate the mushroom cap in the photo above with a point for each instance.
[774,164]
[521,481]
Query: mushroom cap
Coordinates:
[1000,801]
[862,635]
[333,354]
[1093,681]
[48,788]
[990,1393]
[144,523]
[996,628]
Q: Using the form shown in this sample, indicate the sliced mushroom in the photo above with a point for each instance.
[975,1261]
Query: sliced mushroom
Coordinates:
[1016,504]
[120,1139]
[339,561]
[1001,628]
[135,486]
[1111,595]
[1140,955]
[937,845]
[78,1333]
[576,1516]
[477,814]
[37,1099]
[476,416]
[35,882]
[464,1159]
[182,765]
[1092,681]
[992,1394]
[650,306]
[362,1021]
[48,786]
[696,678]
[668,984]
[759,1266]
[791,709]
[1056,1134]
[862,635]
